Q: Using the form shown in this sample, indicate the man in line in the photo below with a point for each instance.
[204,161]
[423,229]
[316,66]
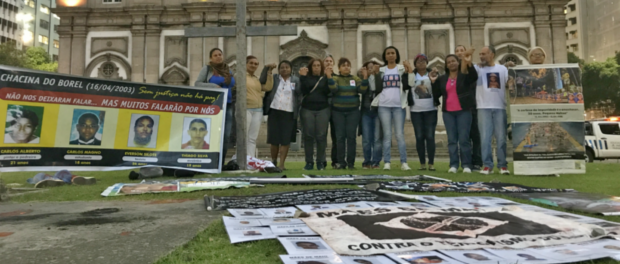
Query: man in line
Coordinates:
[87,127]
[491,105]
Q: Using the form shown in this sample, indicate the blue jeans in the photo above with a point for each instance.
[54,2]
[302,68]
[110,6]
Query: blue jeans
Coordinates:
[458,124]
[227,130]
[492,122]
[393,116]
[371,138]
[424,125]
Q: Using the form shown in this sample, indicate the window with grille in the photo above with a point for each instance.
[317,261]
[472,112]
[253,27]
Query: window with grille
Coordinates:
[108,69]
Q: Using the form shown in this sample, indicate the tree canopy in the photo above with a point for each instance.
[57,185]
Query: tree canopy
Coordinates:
[601,83]
[35,58]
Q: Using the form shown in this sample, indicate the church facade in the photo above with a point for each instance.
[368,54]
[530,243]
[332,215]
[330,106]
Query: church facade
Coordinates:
[143,40]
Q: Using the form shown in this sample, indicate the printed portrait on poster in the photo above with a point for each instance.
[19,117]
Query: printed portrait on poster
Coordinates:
[23,124]
[143,131]
[423,89]
[308,245]
[493,80]
[424,259]
[87,127]
[196,133]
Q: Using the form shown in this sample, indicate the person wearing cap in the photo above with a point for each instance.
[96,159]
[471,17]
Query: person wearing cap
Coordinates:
[423,112]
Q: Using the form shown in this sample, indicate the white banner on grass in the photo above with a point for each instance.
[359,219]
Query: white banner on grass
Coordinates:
[401,229]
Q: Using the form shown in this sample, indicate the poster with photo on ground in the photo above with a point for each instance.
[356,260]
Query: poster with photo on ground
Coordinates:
[280,221]
[420,257]
[305,246]
[475,256]
[292,230]
[571,252]
[279,212]
[230,222]
[244,234]
[522,256]
[311,259]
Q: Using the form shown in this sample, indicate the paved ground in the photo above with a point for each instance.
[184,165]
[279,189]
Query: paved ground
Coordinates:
[98,232]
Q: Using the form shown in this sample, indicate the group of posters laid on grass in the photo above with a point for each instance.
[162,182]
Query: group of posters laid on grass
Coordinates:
[547,116]
[434,230]
[55,121]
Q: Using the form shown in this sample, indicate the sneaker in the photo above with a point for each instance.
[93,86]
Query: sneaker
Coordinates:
[475,168]
[309,166]
[405,167]
[387,166]
[375,167]
[79,180]
[431,168]
[486,171]
[335,166]
[504,171]
[466,170]
[366,167]
[49,183]
[338,166]
[453,170]
[320,166]
[352,168]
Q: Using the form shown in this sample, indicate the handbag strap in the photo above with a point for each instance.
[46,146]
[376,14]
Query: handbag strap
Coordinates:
[315,86]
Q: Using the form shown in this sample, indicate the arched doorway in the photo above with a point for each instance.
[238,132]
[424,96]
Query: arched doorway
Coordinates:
[300,62]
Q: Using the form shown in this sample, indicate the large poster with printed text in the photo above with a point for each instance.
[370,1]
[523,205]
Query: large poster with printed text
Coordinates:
[55,122]
[547,117]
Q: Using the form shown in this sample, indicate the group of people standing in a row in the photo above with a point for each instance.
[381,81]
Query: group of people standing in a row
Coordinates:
[473,98]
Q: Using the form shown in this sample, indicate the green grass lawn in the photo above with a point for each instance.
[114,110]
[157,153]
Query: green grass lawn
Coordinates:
[213,246]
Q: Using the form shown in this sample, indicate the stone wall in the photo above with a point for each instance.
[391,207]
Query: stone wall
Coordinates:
[144,38]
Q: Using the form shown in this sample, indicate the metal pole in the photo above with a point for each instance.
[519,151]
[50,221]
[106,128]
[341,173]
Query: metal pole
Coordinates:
[240,78]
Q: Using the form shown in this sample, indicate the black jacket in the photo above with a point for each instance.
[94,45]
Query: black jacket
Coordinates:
[317,100]
[465,89]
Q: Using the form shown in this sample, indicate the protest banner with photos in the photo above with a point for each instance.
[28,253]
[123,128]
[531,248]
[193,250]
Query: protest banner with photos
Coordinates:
[121,189]
[297,198]
[584,202]
[402,229]
[56,121]
[547,117]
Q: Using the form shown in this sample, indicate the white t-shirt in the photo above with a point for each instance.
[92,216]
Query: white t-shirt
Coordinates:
[422,93]
[491,87]
[390,96]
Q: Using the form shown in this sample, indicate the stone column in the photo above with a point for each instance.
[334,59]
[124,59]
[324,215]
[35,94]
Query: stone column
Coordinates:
[78,45]
[152,56]
[461,25]
[64,53]
[543,38]
[350,51]
[476,24]
[335,41]
[137,56]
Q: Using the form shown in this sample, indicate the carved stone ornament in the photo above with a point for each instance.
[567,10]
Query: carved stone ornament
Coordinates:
[175,50]
[303,46]
[175,76]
